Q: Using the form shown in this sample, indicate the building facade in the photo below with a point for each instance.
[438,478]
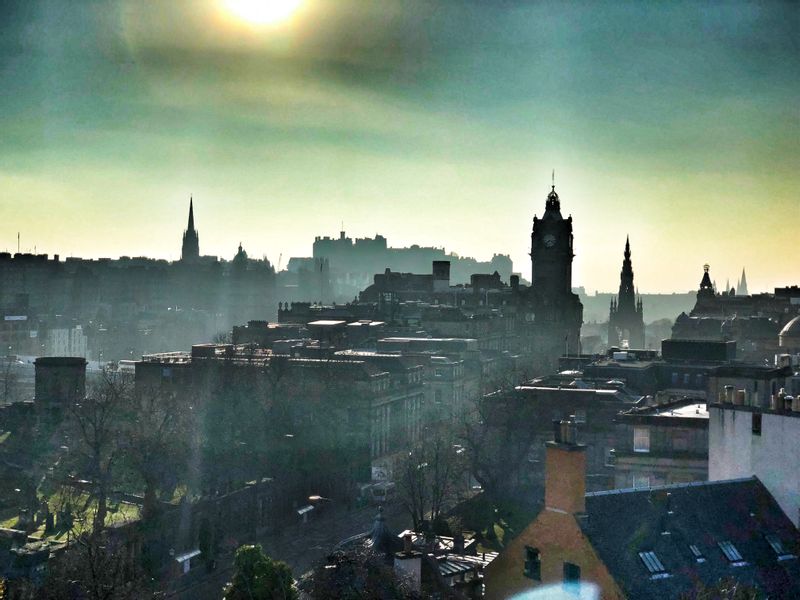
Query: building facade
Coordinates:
[747,440]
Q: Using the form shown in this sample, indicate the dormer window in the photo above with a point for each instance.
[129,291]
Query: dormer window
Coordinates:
[776,544]
[654,565]
[732,554]
[697,553]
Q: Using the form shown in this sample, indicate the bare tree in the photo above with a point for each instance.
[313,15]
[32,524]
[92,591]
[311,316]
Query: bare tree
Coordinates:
[428,478]
[157,437]
[498,441]
[98,423]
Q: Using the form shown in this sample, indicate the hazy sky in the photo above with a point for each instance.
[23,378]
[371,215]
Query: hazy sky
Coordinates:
[430,121]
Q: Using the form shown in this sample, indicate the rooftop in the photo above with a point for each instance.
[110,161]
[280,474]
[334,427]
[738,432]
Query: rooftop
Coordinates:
[695,531]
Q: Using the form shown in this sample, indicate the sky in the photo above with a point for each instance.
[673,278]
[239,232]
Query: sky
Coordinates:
[436,122]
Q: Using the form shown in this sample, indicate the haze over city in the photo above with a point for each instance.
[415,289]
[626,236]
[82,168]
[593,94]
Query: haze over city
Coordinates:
[430,123]
[399,300]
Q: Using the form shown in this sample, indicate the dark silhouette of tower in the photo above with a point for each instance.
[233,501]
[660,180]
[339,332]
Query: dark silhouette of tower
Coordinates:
[558,313]
[626,315]
[190,250]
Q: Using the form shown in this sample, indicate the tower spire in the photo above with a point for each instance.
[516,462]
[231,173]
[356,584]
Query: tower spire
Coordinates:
[742,289]
[190,226]
[553,180]
[190,250]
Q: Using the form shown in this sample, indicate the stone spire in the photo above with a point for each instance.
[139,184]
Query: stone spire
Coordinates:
[627,293]
[741,289]
[190,250]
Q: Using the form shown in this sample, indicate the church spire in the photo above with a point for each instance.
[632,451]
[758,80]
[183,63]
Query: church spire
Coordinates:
[741,290]
[190,226]
[190,250]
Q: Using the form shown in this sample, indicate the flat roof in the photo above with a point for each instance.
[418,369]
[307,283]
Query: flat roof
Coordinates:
[326,323]
[692,411]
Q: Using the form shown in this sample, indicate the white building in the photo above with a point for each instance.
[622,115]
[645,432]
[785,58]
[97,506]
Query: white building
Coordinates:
[749,440]
[67,342]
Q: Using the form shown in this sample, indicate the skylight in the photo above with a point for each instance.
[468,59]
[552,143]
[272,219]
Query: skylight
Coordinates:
[654,565]
[697,553]
[777,546]
[732,554]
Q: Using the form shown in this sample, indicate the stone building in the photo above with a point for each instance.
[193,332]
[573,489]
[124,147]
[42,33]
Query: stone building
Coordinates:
[584,545]
[662,444]
[330,419]
[750,438]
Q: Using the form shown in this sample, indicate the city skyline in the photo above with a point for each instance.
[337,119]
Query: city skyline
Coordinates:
[429,123]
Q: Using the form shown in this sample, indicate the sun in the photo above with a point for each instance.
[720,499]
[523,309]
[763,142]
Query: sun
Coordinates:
[263,12]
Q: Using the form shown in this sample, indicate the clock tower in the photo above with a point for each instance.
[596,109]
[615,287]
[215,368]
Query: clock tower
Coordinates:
[557,312]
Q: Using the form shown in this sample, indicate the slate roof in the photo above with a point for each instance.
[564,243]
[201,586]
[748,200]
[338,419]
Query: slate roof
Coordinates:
[621,524]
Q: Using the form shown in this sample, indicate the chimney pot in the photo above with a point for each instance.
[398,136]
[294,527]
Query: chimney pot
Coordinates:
[557,431]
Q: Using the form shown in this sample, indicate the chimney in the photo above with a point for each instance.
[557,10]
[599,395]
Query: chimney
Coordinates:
[565,470]
[458,543]
[729,391]
[441,276]
[408,564]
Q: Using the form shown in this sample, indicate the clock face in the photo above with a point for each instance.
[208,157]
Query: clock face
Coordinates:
[549,240]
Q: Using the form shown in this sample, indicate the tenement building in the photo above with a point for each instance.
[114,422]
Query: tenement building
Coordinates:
[750,437]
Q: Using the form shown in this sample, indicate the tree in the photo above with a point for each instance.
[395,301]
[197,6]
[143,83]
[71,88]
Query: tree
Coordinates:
[725,589]
[428,478]
[358,574]
[258,577]
[156,436]
[98,423]
[95,567]
[498,442]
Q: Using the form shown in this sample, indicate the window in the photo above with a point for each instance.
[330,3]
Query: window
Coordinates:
[641,439]
[698,555]
[572,573]
[777,546]
[580,416]
[533,564]
[654,565]
[641,481]
[732,554]
[756,425]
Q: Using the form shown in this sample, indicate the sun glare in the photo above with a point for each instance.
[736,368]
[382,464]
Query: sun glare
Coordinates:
[263,12]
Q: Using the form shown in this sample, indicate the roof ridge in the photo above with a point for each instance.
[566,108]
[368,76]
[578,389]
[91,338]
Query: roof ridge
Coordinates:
[671,486]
